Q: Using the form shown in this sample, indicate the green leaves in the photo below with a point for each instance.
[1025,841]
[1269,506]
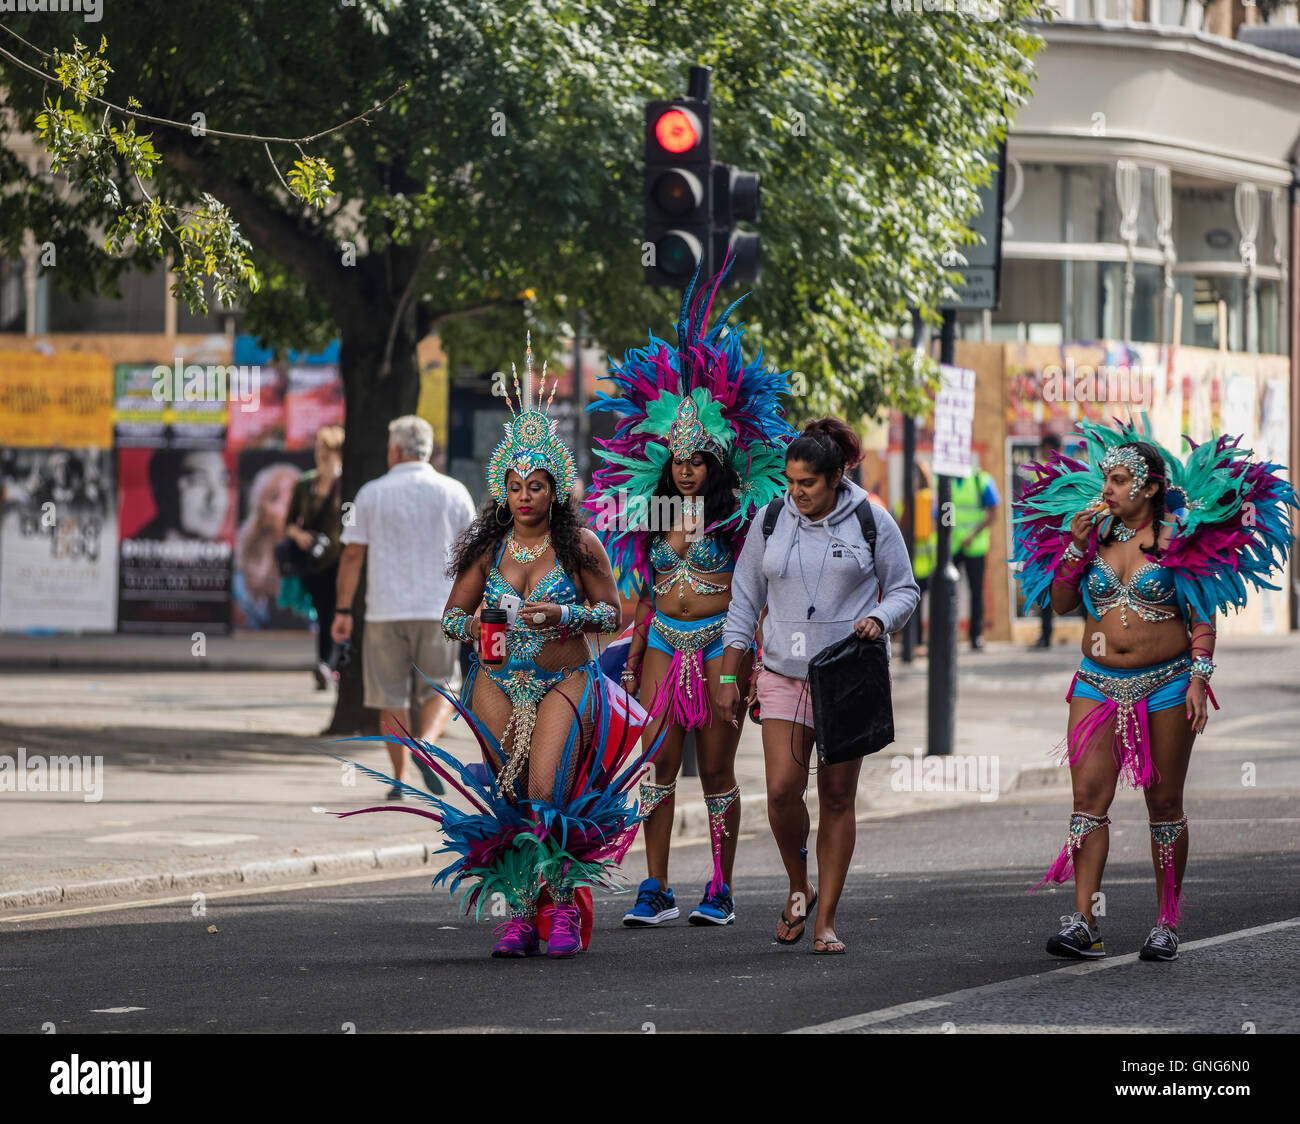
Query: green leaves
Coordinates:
[514,157]
[310,180]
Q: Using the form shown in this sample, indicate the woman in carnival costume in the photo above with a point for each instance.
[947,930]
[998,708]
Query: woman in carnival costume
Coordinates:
[1154,548]
[563,756]
[698,447]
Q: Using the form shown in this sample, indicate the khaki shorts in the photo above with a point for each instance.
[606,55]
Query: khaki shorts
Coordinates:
[393,650]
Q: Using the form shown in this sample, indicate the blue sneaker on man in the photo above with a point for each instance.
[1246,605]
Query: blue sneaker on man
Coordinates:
[716,908]
[653,905]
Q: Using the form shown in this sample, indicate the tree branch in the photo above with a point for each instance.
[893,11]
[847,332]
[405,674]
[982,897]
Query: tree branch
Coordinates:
[187,126]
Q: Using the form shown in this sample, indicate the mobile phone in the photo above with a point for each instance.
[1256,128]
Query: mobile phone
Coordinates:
[511,603]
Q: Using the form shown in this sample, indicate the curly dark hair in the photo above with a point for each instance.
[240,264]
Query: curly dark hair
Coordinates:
[485,534]
[719,494]
[1156,474]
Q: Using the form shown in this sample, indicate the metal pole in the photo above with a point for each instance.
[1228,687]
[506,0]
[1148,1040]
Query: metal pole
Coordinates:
[909,499]
[943,597]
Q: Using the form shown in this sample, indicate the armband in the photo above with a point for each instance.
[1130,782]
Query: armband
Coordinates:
[606,616]
[455,625]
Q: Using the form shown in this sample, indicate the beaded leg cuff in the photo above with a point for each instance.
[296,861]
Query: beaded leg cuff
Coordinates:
[652,795]
[718,805]
[1165,836]
[1082,824]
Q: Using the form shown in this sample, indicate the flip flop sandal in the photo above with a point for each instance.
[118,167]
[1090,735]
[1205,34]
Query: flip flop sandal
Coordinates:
[798,922]
[828,947]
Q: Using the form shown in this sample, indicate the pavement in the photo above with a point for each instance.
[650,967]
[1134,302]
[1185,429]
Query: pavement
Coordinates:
[212,770]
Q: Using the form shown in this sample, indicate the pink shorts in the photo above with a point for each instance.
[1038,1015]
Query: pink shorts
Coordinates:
[784,699]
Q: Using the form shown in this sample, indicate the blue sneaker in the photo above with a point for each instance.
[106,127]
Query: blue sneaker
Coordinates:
[653,905]
[715,909]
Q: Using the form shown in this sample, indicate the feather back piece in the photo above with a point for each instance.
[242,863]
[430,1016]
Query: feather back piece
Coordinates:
[1230,516]
[673,401]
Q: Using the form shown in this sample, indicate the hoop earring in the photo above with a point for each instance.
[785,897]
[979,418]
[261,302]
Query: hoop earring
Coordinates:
[496,514]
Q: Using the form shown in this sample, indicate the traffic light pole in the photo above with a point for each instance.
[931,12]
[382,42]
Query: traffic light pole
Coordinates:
[943,597]
[910,631]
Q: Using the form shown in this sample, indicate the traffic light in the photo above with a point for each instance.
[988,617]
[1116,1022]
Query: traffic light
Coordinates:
[679,190]
[735,198]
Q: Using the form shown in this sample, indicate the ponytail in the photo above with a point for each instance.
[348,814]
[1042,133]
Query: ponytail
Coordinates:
[828,444]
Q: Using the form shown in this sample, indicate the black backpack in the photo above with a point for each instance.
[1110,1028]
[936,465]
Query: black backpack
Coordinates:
[866,520]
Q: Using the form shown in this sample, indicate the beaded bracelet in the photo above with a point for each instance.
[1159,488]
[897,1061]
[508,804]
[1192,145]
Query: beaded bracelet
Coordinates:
[606,616]
[455,625]
[1202,669]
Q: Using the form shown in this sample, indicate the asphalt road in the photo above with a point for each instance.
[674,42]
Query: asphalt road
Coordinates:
[935,905]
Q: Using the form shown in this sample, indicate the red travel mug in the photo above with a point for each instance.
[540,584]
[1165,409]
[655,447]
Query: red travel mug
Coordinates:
[492,636]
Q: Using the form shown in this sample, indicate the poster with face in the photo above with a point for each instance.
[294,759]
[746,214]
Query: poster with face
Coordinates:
[177,518]
[58,540]
[266,482]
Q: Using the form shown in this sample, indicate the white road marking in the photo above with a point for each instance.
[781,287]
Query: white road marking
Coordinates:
[117,1010]
[173,838]
[1021,983]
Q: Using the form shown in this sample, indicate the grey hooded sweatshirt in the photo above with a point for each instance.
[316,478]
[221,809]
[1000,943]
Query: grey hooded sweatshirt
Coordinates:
[826,565]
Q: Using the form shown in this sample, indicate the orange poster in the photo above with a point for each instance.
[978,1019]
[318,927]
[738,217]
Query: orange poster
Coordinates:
[64,399]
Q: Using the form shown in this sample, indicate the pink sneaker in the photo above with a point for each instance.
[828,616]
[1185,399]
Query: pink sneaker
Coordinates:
[566,931]
[518,938]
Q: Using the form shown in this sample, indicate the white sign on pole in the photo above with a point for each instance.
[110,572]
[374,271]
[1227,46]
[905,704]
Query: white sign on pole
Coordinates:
[954,415]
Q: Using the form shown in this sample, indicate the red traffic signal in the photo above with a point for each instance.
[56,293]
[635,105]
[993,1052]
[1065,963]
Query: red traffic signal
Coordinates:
[678,130]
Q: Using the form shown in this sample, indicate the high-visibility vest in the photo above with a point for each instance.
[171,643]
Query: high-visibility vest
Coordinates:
[925,539]
[968,513]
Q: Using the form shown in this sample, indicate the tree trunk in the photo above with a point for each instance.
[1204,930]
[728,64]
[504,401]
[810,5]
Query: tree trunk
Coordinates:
[371,403]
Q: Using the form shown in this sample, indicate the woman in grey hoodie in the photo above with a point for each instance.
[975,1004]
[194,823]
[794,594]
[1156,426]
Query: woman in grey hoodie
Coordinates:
[819,580]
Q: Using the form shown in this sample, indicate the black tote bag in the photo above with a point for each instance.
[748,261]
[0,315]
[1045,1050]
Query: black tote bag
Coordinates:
[853,709]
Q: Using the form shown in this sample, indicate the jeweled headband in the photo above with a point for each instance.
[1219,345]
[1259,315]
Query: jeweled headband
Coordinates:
[687,435]
[1131,458]
[531,440]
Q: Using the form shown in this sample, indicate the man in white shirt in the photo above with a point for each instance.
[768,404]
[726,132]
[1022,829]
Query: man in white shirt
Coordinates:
[406,522]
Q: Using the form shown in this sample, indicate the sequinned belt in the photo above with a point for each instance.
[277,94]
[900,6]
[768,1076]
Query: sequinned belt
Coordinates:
[1127,689]
[687,640]
[1126,695]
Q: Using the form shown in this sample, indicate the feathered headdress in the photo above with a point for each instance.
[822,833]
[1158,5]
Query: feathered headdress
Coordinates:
[676,401]
[1231,526]
[531,440]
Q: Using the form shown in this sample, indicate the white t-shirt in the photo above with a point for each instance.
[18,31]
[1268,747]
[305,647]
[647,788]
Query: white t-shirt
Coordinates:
[408,520]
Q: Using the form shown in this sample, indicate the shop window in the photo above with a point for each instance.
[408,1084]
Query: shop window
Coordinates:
[138,309]
[1201,297]
[13,297]
[1271,308]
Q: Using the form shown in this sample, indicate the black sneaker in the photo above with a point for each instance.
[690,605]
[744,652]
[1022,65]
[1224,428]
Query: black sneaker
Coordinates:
[1161,944]
[1077,940]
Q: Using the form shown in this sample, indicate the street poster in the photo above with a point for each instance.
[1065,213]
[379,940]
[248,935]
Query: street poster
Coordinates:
[58,540]
[954,416]
[266,481]
[176,513]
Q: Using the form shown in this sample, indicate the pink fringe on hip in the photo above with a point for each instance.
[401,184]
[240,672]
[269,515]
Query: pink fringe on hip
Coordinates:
[683,694]
[1130,743]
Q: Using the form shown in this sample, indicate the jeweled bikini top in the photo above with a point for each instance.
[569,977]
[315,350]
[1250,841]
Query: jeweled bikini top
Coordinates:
[1149,589]
[704,556]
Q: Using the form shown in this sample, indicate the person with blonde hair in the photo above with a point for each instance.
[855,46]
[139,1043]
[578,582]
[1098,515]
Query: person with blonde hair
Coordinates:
[315,525]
